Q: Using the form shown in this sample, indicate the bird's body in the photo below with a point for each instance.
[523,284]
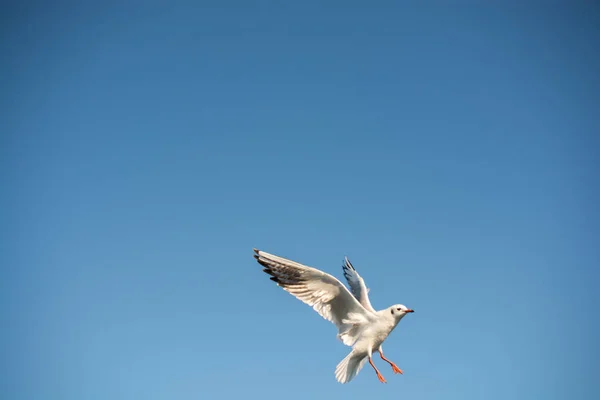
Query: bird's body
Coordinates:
[359,325]
[374,334]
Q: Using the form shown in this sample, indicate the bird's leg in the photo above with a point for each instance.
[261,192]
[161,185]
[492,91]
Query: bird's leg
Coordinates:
[394,366]
[379,376]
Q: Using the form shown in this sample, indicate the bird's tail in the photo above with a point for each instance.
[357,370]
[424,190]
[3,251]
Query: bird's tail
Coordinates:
[349,367]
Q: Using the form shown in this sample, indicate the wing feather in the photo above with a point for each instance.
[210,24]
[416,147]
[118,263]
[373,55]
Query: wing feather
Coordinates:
[323,292]
[357,285]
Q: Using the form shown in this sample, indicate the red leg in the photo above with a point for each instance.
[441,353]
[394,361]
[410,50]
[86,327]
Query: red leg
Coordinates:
[379,376]
[394,366]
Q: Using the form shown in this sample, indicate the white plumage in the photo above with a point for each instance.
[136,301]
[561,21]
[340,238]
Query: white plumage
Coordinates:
[358,324]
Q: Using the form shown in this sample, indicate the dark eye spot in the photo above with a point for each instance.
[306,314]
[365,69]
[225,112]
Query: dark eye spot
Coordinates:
[392,311]
[399,309]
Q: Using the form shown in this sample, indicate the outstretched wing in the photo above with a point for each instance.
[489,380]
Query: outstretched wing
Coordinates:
[324,293]
[357,285]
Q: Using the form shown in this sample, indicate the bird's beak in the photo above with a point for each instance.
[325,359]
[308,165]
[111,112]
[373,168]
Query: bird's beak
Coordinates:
[409,310]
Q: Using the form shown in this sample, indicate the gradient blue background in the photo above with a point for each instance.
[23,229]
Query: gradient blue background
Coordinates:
[451,151]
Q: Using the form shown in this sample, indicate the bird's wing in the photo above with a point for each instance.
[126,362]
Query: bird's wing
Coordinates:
[357,285]
[324,293]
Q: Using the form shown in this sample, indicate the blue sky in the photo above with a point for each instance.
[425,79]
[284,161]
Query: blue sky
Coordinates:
[449,150]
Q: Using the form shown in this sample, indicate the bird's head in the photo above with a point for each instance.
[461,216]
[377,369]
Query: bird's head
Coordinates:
[399,311]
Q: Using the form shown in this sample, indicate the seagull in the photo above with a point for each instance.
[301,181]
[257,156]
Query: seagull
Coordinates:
[359,325]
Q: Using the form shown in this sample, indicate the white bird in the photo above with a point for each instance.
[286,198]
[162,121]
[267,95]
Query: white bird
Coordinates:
[359,325]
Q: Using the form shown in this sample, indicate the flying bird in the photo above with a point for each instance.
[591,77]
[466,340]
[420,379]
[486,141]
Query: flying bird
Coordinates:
[359,325]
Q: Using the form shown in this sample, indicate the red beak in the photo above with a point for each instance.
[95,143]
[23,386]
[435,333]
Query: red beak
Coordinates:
[409,310]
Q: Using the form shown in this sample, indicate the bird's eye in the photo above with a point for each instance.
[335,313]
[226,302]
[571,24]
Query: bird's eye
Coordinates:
[399,309]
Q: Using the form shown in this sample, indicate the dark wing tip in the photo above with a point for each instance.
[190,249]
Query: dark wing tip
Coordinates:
[262,262]
[348,264]
[346,268]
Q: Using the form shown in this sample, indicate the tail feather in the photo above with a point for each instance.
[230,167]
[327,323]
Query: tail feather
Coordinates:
[349,367]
